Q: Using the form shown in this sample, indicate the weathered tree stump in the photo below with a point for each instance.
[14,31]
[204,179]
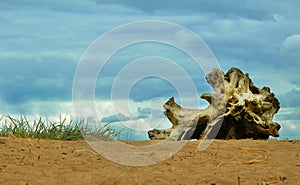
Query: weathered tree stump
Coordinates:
[237,110]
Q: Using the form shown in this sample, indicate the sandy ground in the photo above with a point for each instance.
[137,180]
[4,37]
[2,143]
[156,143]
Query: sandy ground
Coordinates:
[234,162]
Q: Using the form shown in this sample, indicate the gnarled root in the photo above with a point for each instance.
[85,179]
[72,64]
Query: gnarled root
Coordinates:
[237,110]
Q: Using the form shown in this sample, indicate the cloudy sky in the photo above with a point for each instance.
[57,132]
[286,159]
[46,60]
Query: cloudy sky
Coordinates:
[42,43]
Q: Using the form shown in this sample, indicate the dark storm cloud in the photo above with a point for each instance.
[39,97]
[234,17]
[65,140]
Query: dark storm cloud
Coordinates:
[290,99]
[249,9]
[115,118]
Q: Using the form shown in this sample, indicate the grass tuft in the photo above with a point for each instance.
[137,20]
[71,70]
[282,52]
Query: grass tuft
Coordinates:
[44,128]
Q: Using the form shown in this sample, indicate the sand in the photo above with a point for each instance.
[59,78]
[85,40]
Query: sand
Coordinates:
[234,162]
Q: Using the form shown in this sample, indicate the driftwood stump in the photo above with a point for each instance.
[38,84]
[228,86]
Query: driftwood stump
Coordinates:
[237,110]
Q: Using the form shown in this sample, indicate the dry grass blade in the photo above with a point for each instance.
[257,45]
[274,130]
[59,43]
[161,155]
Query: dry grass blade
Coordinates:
[260,154]
[256,160]
[91,151]
[222,163]
[254,149]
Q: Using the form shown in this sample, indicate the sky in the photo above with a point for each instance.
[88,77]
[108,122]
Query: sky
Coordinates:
[43,42]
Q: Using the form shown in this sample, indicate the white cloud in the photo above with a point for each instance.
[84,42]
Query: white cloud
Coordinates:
[291,45]
[290,129]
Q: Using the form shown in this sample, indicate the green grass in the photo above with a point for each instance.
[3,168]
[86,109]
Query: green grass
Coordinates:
[44,128]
